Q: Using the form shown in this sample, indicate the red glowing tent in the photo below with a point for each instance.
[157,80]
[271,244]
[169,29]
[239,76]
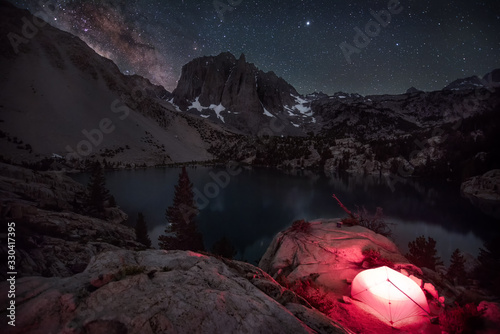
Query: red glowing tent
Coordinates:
[393,295]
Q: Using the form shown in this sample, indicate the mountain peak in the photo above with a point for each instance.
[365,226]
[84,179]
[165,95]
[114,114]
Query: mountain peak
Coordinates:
[233,85]
[412,90]
[471,82]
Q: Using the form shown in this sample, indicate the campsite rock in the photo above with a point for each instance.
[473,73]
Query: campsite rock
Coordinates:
[334,254]
[431,290]
[157,291]
[491,315]
[416,280]
[347,300]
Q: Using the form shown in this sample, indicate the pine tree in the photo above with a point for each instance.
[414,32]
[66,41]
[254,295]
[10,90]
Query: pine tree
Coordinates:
[97,193]
[181,231]
[141,231]
[422,253]
[456,271]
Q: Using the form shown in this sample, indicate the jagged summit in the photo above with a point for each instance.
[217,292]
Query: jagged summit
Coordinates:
[465,83]
[225,84]
[489,80]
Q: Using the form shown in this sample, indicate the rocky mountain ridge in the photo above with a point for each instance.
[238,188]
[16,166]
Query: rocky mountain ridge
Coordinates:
[218,87]
[60,98]
[236,93]
[226,109]
[474,82]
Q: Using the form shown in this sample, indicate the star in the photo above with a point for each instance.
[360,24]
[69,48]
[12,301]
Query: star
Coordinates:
[155,39]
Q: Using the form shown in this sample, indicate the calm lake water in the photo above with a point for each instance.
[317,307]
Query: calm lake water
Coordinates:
[249,206]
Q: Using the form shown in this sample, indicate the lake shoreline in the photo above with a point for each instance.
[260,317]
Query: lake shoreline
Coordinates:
[259,202]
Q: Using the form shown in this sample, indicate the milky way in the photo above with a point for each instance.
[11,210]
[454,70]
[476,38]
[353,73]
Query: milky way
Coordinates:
[329,46]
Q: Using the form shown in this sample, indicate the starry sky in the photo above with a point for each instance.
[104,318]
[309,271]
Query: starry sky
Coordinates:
[427,44]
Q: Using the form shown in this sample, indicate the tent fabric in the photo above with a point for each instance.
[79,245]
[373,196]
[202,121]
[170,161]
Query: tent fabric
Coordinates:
[390,293]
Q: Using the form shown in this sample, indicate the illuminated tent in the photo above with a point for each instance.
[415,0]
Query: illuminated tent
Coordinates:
[393,295]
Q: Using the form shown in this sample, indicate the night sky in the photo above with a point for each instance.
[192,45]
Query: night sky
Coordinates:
[427,44]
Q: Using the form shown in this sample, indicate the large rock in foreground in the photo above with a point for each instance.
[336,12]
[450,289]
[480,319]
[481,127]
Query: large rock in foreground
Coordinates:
[162,292]
[333,255]
[318,260]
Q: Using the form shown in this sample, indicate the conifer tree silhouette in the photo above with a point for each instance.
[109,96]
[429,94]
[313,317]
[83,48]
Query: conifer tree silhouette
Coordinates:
[181,231]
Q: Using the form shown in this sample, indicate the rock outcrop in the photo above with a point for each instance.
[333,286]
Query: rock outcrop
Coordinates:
[490,81]
[162,292]
[51,238]
[238,85]
[472,82]
[247,95]
[333,255]
[486,186]
[320,261]
[484,192]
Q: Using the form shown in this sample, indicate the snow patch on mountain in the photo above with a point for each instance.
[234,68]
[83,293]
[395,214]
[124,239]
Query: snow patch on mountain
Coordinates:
[196,105]
[217,109]
[267,113]
[302,106]
[302,109]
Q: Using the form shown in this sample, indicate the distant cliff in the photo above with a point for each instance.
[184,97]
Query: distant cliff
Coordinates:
[224,83]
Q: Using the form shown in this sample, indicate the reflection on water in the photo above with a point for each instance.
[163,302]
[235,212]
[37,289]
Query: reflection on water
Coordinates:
[258,203]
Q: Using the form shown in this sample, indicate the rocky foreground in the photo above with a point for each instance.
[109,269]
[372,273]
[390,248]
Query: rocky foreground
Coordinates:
[320,259]
[328,257]
[78,274]
[52,238]
[163,292]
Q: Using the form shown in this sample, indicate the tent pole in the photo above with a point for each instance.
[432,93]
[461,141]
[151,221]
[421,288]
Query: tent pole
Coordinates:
[408,297]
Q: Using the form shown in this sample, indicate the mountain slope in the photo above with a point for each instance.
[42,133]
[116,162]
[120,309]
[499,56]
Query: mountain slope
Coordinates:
[59,97]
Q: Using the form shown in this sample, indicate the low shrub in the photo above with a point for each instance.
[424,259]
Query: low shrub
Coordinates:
[309,291]
[375,222]
[374,259]
[461,319]
[301,226]
[129,271]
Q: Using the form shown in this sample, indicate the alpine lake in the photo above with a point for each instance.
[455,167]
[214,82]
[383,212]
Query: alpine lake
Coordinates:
[249,206]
